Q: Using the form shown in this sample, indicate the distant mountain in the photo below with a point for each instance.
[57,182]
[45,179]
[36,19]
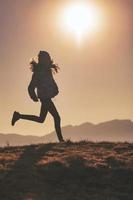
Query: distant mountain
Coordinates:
[16,139]
[115,130]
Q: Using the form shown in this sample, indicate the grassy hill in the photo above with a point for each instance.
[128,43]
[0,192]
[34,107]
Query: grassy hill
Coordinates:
[67,171]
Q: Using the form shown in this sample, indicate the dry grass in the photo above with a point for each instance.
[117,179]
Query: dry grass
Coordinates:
[67,171]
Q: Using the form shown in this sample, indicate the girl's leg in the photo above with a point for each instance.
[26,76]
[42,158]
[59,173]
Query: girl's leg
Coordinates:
[53,111]
[39,119]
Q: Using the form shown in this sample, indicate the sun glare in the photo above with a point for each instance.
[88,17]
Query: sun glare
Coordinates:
[81,18]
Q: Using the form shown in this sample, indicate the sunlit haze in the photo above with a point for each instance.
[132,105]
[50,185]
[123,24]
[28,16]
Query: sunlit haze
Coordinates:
[96,76]
[81,18]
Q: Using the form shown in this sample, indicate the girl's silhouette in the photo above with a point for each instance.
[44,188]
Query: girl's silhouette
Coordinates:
[43,81]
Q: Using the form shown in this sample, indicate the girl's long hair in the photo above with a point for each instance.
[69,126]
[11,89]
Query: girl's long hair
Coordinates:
[44,61]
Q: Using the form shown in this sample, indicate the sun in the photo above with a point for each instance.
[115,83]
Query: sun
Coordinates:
[81,18]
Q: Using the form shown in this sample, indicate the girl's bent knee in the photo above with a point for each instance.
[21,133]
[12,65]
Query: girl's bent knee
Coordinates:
[41,120]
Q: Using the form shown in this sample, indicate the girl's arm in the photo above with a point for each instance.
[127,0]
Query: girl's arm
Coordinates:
[31,88]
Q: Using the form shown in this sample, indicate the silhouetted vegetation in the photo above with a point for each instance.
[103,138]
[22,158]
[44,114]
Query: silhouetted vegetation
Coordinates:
[82,170]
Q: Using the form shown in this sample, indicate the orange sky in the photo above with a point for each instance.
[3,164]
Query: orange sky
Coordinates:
[95,79]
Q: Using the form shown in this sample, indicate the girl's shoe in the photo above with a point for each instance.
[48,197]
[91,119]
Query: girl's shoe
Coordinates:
[15,118]
[62,140]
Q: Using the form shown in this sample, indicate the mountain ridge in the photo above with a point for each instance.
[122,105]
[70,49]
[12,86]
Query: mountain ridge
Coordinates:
[113,130]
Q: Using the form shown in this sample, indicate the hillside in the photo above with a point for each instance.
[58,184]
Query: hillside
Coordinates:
[115,130]
[67,171]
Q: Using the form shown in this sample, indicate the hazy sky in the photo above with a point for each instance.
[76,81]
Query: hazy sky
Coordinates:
[95,79]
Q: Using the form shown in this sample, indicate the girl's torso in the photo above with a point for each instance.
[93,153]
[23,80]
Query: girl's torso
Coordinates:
[46,85]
